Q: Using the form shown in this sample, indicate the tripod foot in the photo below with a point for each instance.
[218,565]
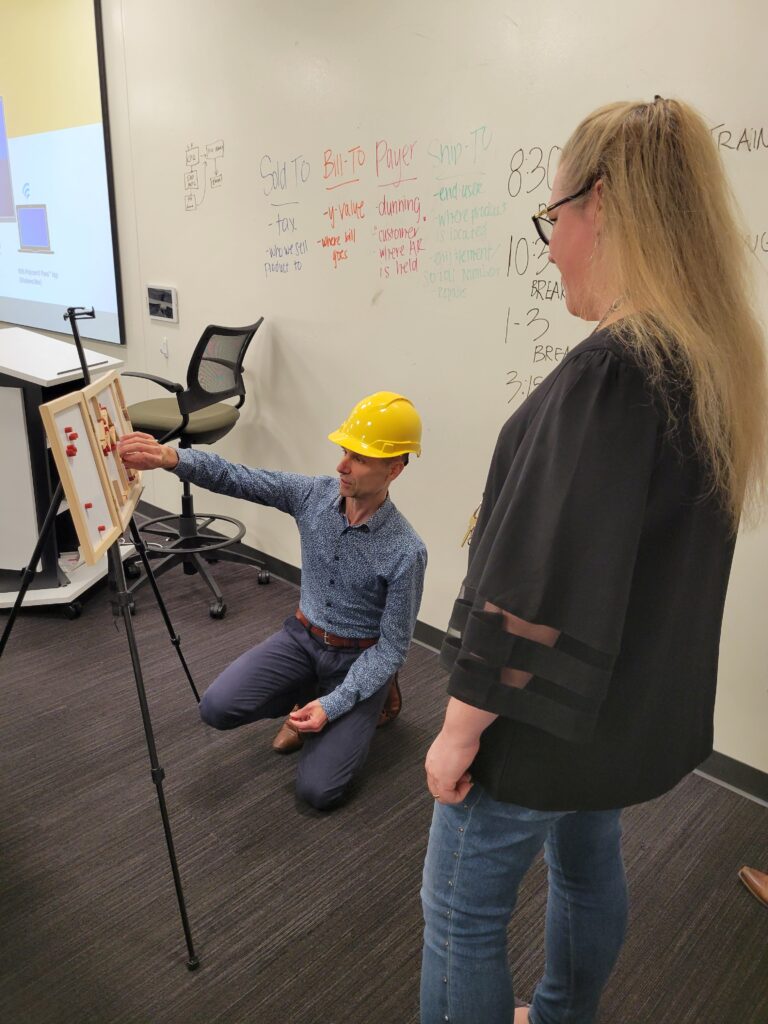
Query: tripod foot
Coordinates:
[193,963]
[131,569]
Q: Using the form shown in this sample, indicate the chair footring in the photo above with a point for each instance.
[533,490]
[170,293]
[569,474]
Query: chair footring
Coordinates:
[189,538]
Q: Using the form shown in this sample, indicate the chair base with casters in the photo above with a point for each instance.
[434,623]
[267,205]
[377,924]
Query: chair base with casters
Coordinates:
[197,415]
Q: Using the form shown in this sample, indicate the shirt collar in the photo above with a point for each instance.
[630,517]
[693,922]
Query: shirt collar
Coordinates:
[381,515]
[377,520]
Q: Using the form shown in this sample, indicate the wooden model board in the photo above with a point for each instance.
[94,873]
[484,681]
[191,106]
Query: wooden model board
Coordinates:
[109,415]
[100,492]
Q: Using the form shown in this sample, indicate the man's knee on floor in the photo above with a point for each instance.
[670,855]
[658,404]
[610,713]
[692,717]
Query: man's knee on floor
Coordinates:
[214,713]
[319,795]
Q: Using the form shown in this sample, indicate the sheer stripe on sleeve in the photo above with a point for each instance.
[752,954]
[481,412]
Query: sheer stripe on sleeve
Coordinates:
[561,528]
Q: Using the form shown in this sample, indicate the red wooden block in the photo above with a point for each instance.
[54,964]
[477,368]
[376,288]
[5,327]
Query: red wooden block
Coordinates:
[67,430]
[73,436]
[102,529]
[88,504]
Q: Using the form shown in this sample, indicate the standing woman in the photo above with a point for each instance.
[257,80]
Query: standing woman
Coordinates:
[583,646]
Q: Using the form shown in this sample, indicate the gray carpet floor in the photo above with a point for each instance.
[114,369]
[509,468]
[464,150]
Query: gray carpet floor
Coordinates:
[297,917]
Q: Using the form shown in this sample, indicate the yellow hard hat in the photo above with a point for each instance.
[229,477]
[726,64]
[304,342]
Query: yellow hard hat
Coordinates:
[381,426]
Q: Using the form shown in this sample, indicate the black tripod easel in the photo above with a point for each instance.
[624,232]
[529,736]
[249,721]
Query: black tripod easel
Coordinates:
[121,603]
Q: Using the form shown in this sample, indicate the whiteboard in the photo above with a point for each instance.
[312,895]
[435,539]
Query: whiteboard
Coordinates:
[83,428]
[91,505]
[363,176]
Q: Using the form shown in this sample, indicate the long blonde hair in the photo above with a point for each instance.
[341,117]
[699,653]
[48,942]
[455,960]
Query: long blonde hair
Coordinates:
[673,237]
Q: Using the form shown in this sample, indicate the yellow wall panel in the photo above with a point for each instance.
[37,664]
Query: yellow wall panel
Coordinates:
[49,74]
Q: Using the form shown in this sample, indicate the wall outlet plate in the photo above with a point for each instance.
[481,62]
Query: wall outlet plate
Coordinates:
[161,303]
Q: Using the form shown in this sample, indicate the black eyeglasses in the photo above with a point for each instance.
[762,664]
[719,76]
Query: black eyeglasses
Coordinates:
[541,221]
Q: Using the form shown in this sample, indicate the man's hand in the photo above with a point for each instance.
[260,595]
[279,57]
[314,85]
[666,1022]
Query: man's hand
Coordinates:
[142,451]
[446,766]
[310,718]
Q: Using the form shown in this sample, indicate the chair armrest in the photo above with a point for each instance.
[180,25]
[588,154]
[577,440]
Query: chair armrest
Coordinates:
[169,385]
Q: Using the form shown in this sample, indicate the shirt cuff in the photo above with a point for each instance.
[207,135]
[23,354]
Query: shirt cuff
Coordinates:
[183,468]
[335,704]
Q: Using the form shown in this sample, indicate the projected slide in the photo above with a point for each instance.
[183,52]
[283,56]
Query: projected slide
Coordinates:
[56,246]
[7,207]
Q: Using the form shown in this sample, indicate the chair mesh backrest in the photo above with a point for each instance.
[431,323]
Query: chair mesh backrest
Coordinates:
[215,370]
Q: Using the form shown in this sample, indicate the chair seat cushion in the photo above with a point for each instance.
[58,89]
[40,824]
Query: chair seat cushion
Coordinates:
[161,415]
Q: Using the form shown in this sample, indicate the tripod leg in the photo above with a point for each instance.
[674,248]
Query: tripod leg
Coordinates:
[175,639]
[116,566]
[29,572]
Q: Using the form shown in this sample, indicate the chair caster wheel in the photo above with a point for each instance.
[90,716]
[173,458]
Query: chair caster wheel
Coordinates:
[189,570]
[217,609]
[73,610]
[263,576]
[132,571]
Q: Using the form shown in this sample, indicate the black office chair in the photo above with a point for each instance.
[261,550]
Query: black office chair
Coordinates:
[197,415]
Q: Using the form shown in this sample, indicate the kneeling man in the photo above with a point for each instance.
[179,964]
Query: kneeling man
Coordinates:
[362,571]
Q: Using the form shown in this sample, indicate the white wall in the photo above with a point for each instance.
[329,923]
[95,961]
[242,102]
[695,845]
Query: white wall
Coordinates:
[472,96]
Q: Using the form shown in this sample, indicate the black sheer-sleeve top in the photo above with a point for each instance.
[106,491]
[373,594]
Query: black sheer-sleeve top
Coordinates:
[597,520]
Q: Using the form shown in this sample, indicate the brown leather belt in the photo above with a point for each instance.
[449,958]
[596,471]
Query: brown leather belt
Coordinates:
[335,641]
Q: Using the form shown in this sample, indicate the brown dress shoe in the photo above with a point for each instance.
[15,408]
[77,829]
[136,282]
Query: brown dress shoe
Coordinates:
[288,738]
[392,704]
[757,883]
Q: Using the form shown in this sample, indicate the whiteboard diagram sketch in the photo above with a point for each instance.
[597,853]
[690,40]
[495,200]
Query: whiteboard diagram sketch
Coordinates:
[197,177]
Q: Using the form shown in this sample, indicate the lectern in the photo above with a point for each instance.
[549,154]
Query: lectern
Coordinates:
[35,369]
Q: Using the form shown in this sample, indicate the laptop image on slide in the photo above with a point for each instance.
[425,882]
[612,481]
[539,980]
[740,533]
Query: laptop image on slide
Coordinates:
[33,228]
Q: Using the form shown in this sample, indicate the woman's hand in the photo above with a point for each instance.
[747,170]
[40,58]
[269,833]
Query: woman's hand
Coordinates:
[454,750]
[447,765]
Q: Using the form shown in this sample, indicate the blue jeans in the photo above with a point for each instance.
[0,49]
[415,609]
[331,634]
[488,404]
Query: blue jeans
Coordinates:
[478,853]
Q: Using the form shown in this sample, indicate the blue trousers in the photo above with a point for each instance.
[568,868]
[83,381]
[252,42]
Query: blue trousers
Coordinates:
[477,856]
[294,667]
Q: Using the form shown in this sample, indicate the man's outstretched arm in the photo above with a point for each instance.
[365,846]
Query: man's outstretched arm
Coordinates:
[284,491]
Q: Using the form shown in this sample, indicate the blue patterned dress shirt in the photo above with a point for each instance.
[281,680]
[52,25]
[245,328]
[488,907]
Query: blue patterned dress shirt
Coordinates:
[356,581]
